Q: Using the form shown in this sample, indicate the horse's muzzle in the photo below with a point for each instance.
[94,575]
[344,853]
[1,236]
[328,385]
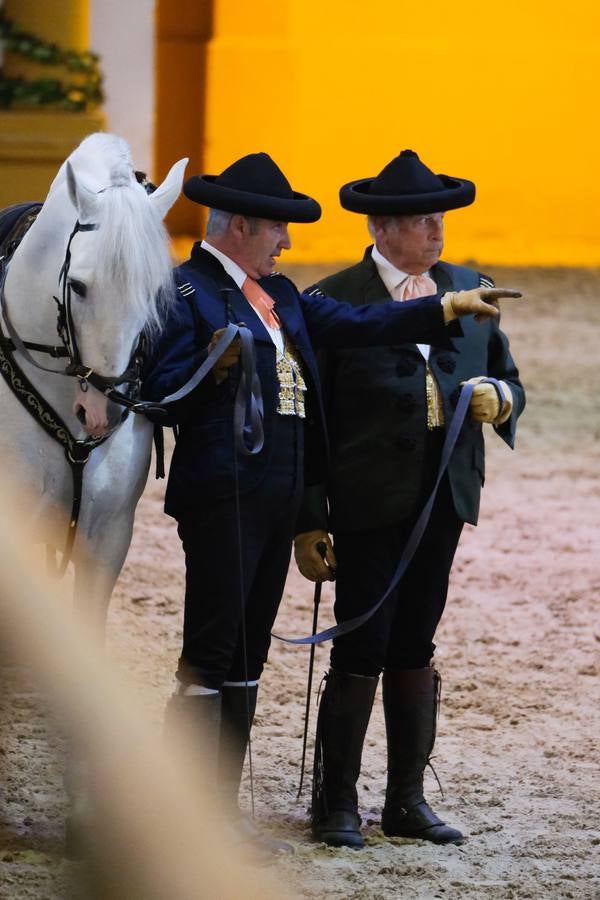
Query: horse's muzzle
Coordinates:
[96,413]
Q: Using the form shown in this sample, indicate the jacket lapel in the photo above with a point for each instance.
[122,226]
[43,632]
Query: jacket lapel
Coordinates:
[235,306]
[286,305]
[372,288]
[443,281]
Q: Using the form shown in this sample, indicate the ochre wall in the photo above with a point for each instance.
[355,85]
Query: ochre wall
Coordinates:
[504,94]
[35,141]
[182,31]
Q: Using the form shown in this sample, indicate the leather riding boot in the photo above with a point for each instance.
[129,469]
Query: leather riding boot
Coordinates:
[410,703]
[342,722]
[196,719]
[238,706]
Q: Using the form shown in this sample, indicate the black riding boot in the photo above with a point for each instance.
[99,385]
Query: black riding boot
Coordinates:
[237,715]
[344,714]
[197,720]
[410,703]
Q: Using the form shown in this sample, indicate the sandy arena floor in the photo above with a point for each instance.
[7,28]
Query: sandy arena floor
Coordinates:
[518,649]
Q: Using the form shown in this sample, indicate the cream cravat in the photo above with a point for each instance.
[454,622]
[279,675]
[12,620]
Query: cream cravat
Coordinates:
[414,286]
[423,286]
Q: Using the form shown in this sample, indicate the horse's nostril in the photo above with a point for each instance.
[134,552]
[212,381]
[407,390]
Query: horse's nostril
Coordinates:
[81,414]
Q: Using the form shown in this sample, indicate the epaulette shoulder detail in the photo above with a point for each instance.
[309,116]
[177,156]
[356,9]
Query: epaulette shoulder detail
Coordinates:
[313,291]
[186,289]
[282,277]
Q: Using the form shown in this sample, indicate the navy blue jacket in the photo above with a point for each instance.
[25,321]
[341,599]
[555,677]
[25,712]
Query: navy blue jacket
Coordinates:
[202,464]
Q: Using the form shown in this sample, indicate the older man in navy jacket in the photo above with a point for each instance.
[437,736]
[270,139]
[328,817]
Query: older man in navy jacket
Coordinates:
[233,587]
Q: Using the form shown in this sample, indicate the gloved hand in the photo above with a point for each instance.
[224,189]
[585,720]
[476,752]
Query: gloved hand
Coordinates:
[485,404]
[481,302]
[228,358]
[309,560]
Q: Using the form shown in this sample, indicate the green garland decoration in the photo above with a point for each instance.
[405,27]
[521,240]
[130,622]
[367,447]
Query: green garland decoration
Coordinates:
[76,95]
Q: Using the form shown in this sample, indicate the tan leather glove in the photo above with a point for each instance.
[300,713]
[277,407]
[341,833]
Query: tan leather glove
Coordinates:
[481,302]
[485,405]
[228,358]
[309,560]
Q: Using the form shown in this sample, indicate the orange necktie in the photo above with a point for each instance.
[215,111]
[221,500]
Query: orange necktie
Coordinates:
[414,286]
[261,303]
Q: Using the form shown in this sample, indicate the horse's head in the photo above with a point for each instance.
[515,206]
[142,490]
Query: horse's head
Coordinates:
[117,274]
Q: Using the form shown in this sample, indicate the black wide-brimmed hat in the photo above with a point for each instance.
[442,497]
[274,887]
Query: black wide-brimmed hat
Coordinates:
[253,186]
[406,187]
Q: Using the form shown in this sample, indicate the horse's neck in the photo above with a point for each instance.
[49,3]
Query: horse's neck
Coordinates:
[33,273]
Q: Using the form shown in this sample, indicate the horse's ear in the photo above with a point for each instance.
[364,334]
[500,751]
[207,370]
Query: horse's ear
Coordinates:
[167,193]
[83,198]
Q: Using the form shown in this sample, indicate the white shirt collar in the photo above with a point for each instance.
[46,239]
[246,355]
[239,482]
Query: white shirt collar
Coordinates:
[389,274]
[231,267]
[239,276]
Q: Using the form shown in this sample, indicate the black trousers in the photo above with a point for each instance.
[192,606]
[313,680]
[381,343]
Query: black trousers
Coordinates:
[218,598]
[400,634]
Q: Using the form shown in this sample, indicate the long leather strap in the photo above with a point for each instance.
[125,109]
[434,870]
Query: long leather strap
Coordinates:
[248,408]
[416,534]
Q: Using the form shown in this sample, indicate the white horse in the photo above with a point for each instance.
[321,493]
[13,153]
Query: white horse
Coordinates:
[115,275]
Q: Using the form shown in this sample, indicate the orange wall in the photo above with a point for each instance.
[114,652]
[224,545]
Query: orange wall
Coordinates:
[504,95]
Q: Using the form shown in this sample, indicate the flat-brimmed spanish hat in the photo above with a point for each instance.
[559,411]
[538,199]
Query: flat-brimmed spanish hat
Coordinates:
[406,187]
[253,186]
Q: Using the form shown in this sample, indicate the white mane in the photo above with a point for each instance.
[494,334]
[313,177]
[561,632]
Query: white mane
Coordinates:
[132,249]
[132,256]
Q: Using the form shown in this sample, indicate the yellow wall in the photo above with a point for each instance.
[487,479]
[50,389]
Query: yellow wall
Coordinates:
[34,142]
[504,94]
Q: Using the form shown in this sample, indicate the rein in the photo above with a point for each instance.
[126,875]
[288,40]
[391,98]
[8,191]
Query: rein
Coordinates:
[248,403]
[416,534]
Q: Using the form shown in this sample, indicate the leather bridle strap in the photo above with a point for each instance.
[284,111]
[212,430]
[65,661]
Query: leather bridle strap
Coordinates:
[417,533]
[19,344]
[76,452]
[248,407]
[105,384]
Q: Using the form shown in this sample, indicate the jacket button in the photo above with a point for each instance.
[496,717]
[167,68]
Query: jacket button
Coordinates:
[446,363]
[406,443]
[405,403]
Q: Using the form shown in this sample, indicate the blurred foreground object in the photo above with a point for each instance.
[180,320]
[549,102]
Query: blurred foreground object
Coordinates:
[154,833]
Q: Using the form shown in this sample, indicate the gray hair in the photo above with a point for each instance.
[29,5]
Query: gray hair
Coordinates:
[218,222]
[385,221]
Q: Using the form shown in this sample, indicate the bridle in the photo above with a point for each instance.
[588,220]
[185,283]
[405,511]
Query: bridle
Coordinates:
[65,327]
[77,452]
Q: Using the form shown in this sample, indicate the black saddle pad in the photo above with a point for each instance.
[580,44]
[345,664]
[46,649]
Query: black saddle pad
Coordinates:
[14,222]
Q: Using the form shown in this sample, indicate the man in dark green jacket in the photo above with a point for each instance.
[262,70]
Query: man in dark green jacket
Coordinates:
[387,411]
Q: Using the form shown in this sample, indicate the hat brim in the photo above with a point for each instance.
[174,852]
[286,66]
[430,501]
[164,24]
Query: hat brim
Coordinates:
[356,197]
[299,208]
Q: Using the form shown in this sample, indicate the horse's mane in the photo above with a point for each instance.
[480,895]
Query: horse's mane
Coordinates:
[132,250]
[132,242]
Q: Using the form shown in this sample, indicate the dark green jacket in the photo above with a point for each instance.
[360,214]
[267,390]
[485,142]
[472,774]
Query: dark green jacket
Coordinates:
[376,410]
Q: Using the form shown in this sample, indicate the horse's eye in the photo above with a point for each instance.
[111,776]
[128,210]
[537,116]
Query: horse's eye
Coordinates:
[79,287]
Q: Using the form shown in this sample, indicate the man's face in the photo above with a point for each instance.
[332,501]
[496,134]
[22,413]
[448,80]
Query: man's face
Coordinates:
[411,243]
[263,243]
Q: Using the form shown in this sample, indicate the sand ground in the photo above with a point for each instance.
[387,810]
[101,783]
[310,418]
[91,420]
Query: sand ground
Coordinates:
[518,650]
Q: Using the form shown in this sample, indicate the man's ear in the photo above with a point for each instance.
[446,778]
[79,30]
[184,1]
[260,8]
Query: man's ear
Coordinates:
[377,224]
[239,225]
